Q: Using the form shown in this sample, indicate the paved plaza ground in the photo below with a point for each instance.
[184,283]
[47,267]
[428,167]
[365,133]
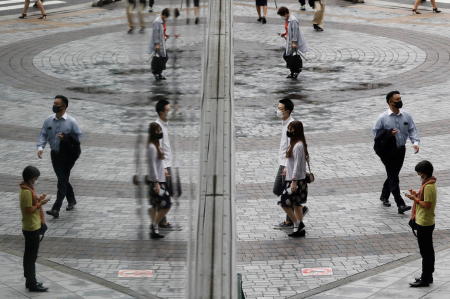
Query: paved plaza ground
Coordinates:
[366,50]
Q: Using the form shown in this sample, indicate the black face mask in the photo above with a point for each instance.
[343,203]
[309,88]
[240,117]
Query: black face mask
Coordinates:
[56,109]
[398,104]
[289,134]
[159,135]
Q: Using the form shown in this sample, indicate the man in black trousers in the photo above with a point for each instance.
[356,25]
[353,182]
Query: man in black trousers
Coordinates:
[392,129]
[62,132]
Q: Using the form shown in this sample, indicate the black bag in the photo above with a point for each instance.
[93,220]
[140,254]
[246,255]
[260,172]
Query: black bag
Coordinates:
[70,146]
[294,62]
[42,231]
[158,64]
[412,223]
[384,143]
[309,175]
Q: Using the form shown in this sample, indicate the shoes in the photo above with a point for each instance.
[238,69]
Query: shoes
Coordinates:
[317,28]
[430,281]
[151,9]
[43,17]
[419,284]
[283,225]
[290,75]
[142,30]
[298,234]
[23,16]
[70,207]
[53,213]
[302,7]
[403,209]
[161,77]
[197,20]
[264,21]
[386,203]
[260,19]
[436,10]
[27,285]
[154,234]
[130,31]
[166,225]
[415,11]
[294,76]
[305,210]
[38,288]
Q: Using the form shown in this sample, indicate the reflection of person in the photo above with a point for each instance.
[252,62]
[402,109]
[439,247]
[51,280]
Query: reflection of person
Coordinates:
[159,196]
[39,4]
[158,43]
[417,3]
[32,221]
[261,4]
[140,12]
[61,131]
[423,214]
[397,123]
[319,11]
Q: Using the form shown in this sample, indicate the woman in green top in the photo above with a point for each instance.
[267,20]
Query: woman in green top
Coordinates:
[32,218]
[423,214]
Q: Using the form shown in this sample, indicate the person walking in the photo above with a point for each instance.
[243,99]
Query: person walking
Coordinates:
[62,132]
[159,196]
[32,221]
[150,5]
[140,12]
[319,12]
[391,131]
[196,11]
[424,217]
[294,42]
[158,44]
[418,2]
[163,109]
[39,4]
[261,4]
[296,188]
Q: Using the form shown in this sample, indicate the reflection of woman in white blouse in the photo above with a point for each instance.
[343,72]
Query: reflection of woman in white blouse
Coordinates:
[297,155]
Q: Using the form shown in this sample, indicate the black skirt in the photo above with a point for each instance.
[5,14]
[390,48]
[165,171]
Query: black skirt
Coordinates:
[261,2]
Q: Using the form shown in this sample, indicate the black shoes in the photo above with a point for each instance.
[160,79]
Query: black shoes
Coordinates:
[419,284]
[305,210]
[302,7]
[317,28]
[159,77]
[300,232]
[28,285]
[151,9]
[430,281]
[130,31]
[70,207]
[436,10]
[385,202]
[53,213]
[293,76]
[197,20]
[142,30]
[259,19]
[154,234]
[403,209]
[38,288]
[264,21]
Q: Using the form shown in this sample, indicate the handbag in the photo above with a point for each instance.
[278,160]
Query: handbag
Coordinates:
[42,231]
[309,175]
[412,223]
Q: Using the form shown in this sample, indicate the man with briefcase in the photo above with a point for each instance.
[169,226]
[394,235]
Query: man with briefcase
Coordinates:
[158,45]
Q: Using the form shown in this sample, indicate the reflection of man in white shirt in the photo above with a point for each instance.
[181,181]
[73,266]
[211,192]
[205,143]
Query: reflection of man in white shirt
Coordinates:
[163,109]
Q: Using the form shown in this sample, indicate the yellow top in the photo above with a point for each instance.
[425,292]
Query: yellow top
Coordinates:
[30,222]
[425,216]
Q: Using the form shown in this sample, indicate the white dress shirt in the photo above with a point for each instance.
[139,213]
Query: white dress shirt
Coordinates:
[165,143]
[284,143]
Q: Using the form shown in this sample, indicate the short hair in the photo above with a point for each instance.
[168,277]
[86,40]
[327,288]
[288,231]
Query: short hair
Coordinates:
[282,11]
[288,105]
[30,172]
[160,105]
[64,99]
[165,12]
[425,167]
[391,94]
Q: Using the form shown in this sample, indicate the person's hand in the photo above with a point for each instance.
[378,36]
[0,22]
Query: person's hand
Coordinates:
[42,196]
[157,46]
[294,45]
[394,132]
[60,135]
[43,202]
[166,172]
[156,188]
[416,148]
[294,186]
[284,171]
[413,192]
[410,196]
[39,153]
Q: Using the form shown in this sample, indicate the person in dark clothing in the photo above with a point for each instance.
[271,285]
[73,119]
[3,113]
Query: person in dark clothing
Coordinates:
[400,126]
[62,132]
[33,221]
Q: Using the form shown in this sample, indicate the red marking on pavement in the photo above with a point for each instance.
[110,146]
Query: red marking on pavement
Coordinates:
[316,271]
[135,273]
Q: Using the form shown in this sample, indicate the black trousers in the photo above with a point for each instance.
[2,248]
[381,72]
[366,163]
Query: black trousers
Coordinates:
[425,240]
[151,3]
[393,165]
[62,167]
[30,255]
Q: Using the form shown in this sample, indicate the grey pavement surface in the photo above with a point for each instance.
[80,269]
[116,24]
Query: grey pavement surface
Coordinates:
[364,50]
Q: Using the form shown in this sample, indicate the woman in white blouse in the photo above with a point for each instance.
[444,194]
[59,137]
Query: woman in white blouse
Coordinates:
[159,196]
[296,187]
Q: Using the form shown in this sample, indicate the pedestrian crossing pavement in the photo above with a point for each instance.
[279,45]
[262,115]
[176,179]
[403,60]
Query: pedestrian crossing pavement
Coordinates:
[7,5]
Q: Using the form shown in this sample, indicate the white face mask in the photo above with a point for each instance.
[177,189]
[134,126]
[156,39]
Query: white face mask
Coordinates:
[279,113]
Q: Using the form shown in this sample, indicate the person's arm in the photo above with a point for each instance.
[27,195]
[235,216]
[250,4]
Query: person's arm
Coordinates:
[42,140]
[295,32]
[156,37]
[426,203]
[413,135]
[27,202]
[152,171]
[377,127]
[76,130]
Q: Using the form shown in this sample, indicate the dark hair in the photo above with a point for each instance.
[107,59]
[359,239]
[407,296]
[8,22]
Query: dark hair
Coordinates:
[391,94]
[30,172]
[152,128]
[299,135]
[160,106]
[165,12]
[282,11]
[425,167]
[288,105]
[64,99]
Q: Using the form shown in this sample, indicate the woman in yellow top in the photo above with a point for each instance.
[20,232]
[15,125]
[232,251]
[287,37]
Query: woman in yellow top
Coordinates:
[32,219]
[423,214]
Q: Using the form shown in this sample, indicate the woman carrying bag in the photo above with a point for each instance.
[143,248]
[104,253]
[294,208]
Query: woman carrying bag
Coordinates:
[296,192]
[33,223]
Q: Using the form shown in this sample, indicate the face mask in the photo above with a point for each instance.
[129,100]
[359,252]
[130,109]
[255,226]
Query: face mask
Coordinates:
[279,114]
[290,134]
[159,135]
[398,104]
[35,182]
[170,114]
[56,109]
